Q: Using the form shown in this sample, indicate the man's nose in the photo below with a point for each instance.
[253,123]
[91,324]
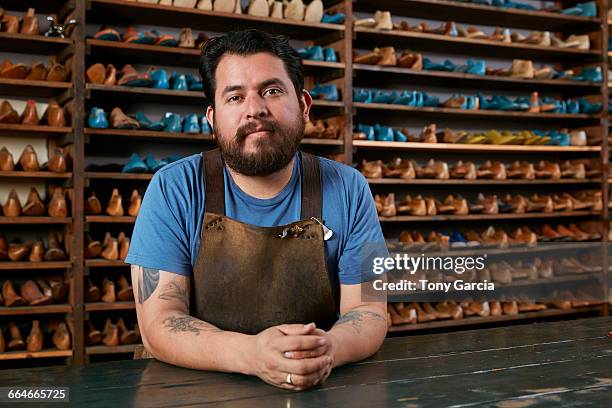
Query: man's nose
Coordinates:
[256,107]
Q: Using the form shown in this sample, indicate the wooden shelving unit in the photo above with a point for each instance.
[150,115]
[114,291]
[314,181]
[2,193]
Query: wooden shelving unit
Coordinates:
[458,49]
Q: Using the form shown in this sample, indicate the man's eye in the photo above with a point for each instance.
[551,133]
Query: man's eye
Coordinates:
[234,98]
[273,91]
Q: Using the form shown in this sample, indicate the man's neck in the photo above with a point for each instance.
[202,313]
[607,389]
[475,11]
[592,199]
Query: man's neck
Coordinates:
[264,187]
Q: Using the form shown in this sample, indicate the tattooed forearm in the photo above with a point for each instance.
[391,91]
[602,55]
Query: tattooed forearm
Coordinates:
[183,323]
[148,279]
[174,290]
[355,319]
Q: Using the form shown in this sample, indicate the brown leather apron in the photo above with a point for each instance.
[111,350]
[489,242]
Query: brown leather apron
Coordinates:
[248,278]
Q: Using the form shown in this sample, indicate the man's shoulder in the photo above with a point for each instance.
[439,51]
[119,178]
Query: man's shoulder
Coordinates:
[339,174]
[190,167]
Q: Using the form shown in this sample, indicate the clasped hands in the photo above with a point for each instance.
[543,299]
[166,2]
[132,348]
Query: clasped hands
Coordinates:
[303,351]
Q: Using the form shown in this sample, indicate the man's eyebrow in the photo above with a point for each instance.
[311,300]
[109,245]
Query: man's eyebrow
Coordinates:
[267,82]
[272,81]
[232,88]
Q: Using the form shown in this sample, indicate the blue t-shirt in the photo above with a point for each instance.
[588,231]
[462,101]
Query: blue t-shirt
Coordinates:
[167,232]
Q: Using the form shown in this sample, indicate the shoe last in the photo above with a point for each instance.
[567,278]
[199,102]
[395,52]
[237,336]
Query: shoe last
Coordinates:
[160,79]
[97,119]
[190,124]
[173,122]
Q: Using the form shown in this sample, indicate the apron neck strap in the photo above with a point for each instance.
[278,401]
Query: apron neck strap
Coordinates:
[214,198]
[312,196]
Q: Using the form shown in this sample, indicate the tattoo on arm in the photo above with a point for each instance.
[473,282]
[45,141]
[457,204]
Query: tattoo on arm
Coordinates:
[175,290]
[184,323]
[355,319]
[148,279]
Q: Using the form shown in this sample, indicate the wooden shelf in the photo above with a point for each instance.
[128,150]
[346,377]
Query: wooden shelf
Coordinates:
[8,129]
[370,38]
[23,354]
[323,142]
[371,75]
[103,263]
[97,306]
[21,87]
[477,14]
[557,279]
[124,348]
[108,219]
[98,175]
[149,135]
[34,175]
[391,109]
[329,104]
[311,66]
[27,310]
[32,44]
[7,265]
[468,321]
[477,182]
[152,54]
[34,220]
[558,248]
[482,217]
[127,13]
[149,95]
[442,147]
[47,6]
[187,57]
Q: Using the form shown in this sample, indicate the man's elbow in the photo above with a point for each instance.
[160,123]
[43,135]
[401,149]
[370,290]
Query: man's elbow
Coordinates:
[153,340]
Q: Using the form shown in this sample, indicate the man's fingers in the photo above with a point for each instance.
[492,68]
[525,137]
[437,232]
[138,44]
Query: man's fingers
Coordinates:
[305,366]
[299,343]
[306,381]
[296,329]
[326,374]
[307,353]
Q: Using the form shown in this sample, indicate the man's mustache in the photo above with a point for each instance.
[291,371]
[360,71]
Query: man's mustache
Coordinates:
[262,125]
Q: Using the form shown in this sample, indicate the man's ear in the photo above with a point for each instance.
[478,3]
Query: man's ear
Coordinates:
[210,114]
[306,103]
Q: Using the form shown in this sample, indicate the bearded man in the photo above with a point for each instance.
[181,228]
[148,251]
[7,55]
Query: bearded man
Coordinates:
[250,257]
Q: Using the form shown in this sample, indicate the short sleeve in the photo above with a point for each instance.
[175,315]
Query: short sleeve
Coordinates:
[365,240]
[160,240]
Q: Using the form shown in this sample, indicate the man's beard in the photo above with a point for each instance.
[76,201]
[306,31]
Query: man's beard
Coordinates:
[273,153]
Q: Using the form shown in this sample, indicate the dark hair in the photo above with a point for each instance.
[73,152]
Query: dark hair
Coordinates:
[248,42]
